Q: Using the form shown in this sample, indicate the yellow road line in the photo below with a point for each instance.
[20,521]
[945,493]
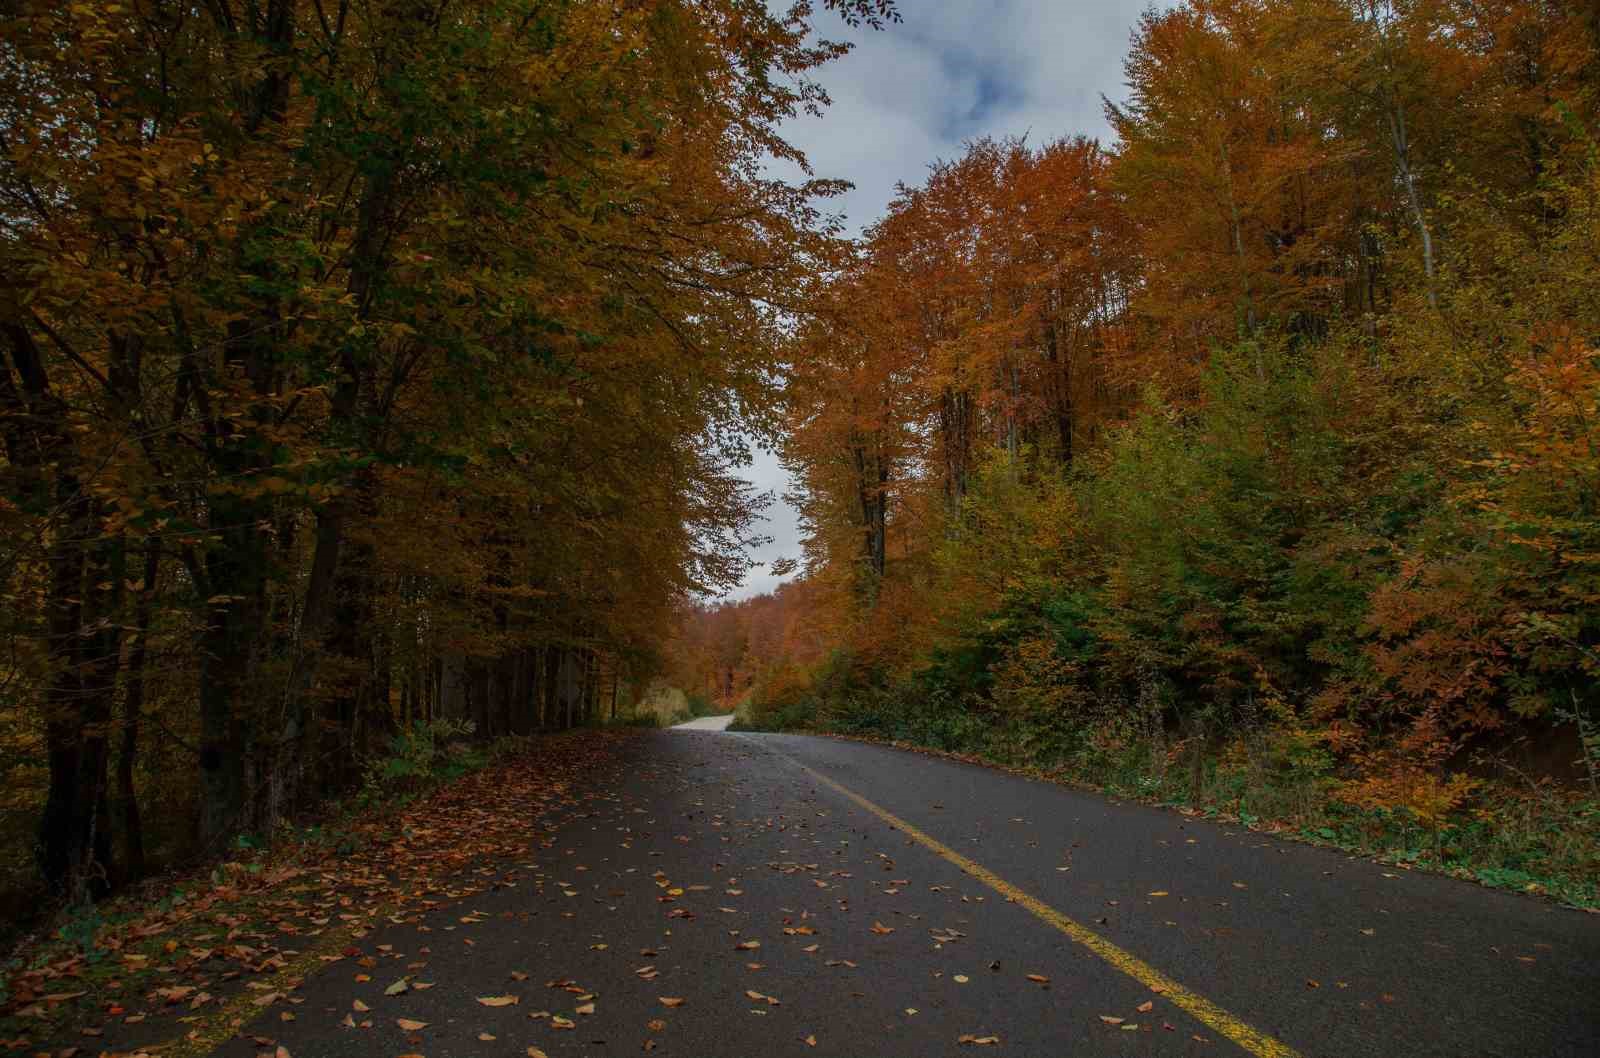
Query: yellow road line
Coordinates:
[1198,1006]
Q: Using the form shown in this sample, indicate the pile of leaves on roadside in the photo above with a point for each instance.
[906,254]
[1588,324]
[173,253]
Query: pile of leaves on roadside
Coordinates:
[158,970]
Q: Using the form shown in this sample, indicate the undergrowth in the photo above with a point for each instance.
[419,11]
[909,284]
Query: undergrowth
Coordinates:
[1533,837]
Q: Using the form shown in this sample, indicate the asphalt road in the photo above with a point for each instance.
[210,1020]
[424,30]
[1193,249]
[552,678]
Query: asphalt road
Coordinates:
[706,723]
[746,896]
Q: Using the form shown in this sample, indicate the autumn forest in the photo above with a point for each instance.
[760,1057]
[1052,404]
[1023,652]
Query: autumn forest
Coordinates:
[1250,461]
[377,383]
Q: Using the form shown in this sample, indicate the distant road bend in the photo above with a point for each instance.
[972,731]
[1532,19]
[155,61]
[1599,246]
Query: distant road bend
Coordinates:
[726,895]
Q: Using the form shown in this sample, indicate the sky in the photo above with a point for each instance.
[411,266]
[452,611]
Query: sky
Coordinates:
[952,71]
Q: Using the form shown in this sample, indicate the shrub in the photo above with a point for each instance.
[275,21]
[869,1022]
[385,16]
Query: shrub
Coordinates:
[419,757]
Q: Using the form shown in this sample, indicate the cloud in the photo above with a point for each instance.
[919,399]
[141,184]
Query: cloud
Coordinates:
[953,71]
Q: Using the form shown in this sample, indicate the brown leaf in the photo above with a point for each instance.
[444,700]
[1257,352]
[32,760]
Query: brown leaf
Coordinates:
[499,1001]
[411,1026]
[981,1041]
[671,1001]
[1145,1007]
[880,929]
[1109,1020]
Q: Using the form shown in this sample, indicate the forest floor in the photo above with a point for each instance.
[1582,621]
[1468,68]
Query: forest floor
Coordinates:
[715,894]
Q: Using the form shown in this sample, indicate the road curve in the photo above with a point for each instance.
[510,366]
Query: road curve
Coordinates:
[735,896]
[705,723]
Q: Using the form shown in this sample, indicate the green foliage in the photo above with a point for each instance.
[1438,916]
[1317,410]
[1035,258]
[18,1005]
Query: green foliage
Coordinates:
[81,923]
[1263,606]
[420,757]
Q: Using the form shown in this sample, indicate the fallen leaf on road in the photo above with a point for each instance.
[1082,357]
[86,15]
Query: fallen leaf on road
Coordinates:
[411,1026]
[485,1037]
[1039,979]
[671,1001]
[962,979]
[559,1022]
[586,1008]
[359,1007]
[880,929]
[499,1001]
[1109,1020]
[809,1041]
[534,1052]
[981,1041]
[1145,1007]
[747,945]
[1159,892]
[398,987]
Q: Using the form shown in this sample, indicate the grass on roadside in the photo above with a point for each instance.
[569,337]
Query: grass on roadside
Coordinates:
[1531,837]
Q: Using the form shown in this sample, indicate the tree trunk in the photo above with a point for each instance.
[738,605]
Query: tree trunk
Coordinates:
[235,577]
[72,837]
[64,827]
[1402,162]
[133,855]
